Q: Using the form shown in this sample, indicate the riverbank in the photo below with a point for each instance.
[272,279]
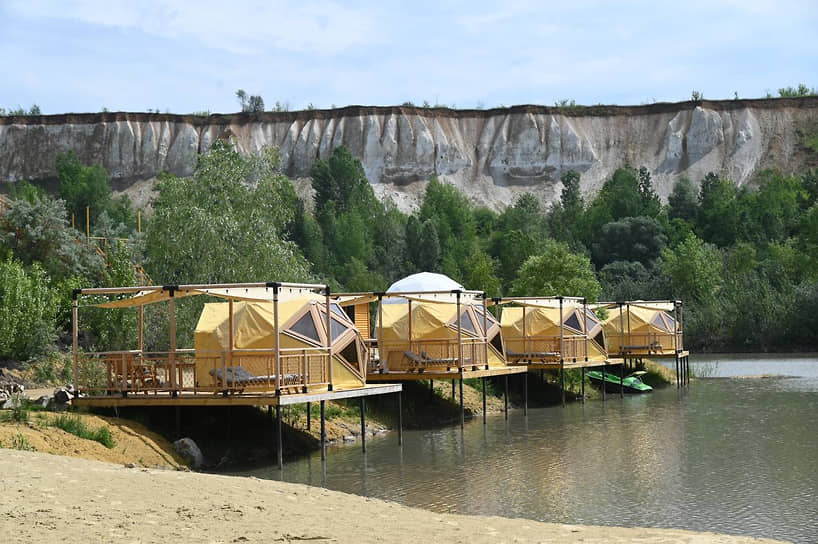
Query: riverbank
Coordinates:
[47,496]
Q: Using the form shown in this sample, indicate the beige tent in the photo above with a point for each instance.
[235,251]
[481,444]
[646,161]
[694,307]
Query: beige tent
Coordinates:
[303,357]
[642,328]
[533,331]
[416,335]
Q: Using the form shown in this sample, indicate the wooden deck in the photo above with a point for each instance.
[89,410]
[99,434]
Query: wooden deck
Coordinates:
[653,354]
[455,374]
[235,399]
[539,365]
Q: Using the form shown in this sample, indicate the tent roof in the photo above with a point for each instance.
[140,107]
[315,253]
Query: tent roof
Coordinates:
[543,302]
[666,305]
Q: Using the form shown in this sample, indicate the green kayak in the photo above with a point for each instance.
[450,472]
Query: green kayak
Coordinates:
[632,383]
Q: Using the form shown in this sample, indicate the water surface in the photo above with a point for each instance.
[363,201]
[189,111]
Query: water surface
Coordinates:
[736,455]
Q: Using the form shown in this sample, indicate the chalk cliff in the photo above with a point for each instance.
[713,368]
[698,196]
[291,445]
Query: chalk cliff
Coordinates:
[490,155]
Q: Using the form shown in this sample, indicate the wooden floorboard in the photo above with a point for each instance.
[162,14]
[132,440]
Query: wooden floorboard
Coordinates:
[451,375]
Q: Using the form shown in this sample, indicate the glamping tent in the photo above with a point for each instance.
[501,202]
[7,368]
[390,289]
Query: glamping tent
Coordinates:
[642,328]
[303,357]
[428,321]
[534,331]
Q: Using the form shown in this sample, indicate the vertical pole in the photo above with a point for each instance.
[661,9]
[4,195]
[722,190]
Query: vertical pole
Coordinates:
[585,328]
[381,351]
[410,328]
[75,338]
[329,339]
[230,324]
[363,424]
[486,330]
[270,413]
[141,320]
[277,332]
[400,418]
[583,385]
[562,352]
[279,445]
[462,408]
[172,354]
[452,390]
[621,330]
[323,430]
[459,339]
[505,397]
[621,380]
[431,389]
[88,224]
[484,399]
[525,393]
[309,416]
[676,356]
[138,220]
[604,380]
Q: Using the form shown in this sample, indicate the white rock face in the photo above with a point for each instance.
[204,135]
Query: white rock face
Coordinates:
[491,156]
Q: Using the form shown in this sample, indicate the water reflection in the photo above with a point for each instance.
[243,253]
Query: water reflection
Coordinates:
[731,455]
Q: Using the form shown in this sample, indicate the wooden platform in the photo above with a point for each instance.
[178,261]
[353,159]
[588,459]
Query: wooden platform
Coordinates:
[236,399]
[443,375]
[653,354]
[538,365]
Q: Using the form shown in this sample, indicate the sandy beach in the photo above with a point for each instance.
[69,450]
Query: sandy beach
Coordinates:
[47,497]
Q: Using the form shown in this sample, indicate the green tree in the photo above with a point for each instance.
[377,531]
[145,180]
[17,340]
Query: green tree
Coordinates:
[694,269]
[28,311]
[628,193]
[557,271]
[683,202]
[631,239]
[718,218]
[88,186]
[625,280]
[225,223]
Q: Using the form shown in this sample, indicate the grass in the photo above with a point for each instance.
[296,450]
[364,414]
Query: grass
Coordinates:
[53,368]
[19,442]
[74,425]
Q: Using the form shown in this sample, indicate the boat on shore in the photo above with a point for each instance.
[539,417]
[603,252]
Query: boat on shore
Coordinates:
[632,383]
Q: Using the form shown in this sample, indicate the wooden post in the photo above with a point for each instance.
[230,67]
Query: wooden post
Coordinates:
[88,225]
[604,378]
[630,341]
[621,381]
[585,328]
[329,338]
[277,332]
[231,325]
[172,355]
[486,330]
[459,341]
[525,393]
[381,351]
[410,329]
[621,330]
[141,319]
[562,353]
[75,337]
[309,415]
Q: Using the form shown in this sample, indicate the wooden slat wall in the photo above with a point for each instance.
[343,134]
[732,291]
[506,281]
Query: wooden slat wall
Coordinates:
[362,319]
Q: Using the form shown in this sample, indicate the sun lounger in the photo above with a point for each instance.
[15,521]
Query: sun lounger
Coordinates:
[654,346]
[532,355]
[237,376]
[422,360]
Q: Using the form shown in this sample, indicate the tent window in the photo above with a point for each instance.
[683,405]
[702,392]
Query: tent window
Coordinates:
[670,321]
[591,321]
[600,340]
[659,322]
[338,329]
[573,322]
[306,327]
[337,310]
[497,342]
[466,323]
[350,353]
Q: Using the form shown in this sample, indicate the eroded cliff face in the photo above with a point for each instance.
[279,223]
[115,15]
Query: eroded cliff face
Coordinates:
[490,155]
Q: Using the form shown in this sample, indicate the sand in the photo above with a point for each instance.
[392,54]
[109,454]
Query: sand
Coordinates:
[47,498]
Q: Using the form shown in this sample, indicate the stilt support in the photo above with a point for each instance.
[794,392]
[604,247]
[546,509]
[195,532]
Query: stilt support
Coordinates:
[583,385]
[562,381]
[323,430]
[462,408]
[525,393]
[484,399]
[363,424]
[279,445]
[400,418]
[505,397]
[309,416]
[622,381]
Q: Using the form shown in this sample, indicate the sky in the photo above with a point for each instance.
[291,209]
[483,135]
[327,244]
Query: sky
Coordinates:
[191,56]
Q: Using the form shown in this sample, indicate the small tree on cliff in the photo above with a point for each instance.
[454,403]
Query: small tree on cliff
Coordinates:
[250,104]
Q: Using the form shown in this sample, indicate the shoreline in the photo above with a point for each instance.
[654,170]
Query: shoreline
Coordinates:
[52,496]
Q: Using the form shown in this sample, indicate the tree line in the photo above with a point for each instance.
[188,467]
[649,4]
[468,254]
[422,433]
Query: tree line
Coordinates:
[742,259]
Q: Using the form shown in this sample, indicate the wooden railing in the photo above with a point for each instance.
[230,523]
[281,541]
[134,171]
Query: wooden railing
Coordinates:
[644,343]
[123,372]
[436,354]
[546,349]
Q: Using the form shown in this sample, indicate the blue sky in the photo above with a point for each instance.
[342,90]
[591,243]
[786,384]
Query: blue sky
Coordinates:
[185,56]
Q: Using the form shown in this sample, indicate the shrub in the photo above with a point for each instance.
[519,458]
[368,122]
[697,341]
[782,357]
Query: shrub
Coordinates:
[74,425]
[28,311]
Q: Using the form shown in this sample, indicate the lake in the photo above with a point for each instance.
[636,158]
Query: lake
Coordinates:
[730,454]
